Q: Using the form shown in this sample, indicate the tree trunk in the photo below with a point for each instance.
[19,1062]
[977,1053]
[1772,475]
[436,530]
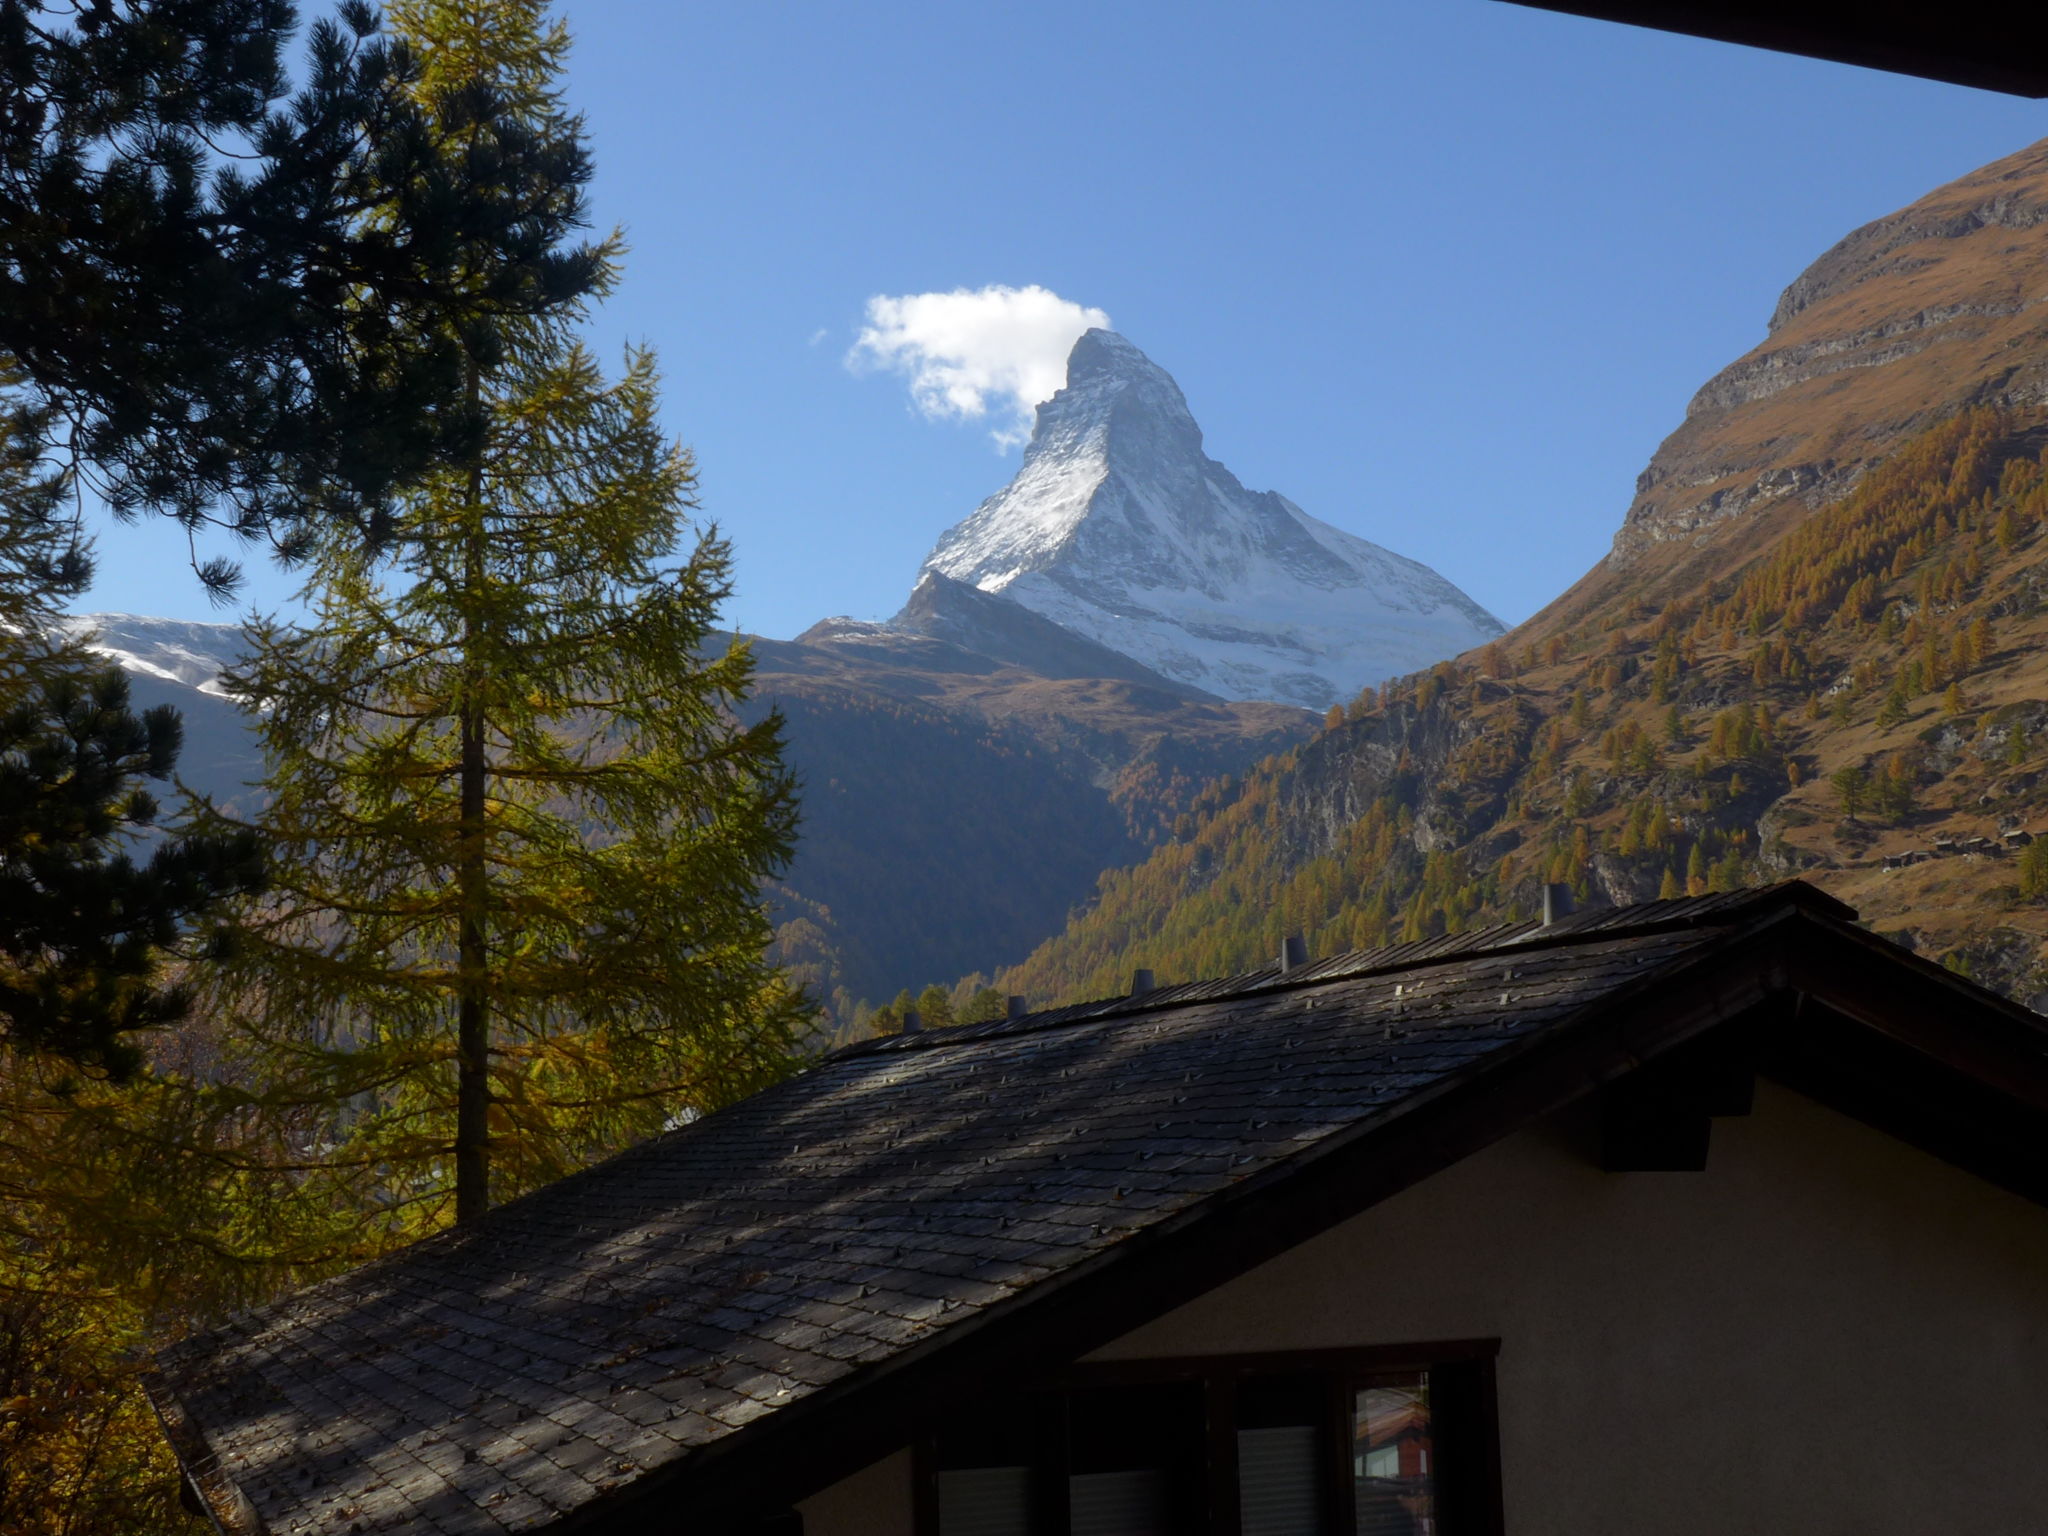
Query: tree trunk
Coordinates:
[472,1012]
[472,1005]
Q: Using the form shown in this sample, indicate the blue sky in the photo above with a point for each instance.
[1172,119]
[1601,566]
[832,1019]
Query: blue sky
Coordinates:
[1444,272]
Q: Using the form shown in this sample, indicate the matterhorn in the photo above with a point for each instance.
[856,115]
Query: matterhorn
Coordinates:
[1120,529]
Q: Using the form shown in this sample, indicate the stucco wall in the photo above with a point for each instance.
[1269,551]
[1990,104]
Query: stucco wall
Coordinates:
[873,1502]
[1826,1332]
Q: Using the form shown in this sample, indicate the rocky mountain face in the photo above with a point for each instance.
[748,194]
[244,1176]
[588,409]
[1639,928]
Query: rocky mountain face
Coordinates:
[945,617]
[1119,528]
[1818,648]
[1911,318]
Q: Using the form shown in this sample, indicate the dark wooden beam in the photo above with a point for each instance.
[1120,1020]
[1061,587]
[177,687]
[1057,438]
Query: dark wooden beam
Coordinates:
[1645,1130]
[1659,1119]
[1967,42]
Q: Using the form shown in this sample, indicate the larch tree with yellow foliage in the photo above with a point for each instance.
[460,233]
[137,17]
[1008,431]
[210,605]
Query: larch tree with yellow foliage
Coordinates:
[517,830]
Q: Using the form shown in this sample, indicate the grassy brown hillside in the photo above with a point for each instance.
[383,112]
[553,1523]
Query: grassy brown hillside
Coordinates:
[1860,698]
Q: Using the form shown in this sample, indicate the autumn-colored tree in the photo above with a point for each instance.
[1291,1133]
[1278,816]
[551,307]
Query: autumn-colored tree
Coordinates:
[2034,870]
[1895,787]
[935,1006]
[518,834]
[986,1005]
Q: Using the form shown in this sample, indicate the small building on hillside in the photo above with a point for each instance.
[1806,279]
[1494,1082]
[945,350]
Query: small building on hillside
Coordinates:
[1695,1217]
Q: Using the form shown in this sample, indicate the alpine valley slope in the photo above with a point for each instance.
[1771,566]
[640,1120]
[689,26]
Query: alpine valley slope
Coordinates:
[957,804]
[1819,646]
[1120,529]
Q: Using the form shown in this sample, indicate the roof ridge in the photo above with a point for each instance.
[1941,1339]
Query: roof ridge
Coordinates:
[1592,926]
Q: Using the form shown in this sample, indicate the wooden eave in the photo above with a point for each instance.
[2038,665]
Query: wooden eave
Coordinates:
[1991,48]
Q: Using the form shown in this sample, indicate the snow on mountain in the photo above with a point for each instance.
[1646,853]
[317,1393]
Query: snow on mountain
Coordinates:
[1120,528]
[179,662]
[175,650]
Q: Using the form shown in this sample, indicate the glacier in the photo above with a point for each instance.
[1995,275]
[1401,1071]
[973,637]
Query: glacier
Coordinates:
[1119,528]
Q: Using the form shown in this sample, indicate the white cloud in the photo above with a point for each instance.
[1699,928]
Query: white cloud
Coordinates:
[976,352]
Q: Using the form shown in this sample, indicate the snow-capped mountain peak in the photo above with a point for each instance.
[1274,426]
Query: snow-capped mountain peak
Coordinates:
[1119,527]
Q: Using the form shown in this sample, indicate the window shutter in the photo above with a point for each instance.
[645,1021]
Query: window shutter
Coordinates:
[985,1501]
[1117,1503]
[1276,1482]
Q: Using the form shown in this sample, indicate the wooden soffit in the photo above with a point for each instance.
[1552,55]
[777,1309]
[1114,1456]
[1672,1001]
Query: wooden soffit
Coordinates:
[1966,42]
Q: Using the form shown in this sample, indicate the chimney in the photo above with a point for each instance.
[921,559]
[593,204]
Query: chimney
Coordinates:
[1141,982]
[1293,953]
[1013,1006]
[912,1024]
[1557,903]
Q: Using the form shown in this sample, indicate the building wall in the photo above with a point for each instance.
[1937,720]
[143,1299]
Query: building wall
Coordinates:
[872,1502]
[1826,1332]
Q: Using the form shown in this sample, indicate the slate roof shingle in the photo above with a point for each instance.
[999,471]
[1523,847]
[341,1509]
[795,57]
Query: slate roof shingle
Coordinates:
[625,1319]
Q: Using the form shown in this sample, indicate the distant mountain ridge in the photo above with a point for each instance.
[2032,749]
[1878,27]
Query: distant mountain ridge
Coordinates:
[1119,528]
[957,801]
[985,624]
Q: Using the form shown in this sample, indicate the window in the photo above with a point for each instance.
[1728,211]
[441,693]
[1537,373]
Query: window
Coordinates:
[1393,1490]
[1373,1442]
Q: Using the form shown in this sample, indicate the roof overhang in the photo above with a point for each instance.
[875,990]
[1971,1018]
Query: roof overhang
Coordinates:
[1991,48]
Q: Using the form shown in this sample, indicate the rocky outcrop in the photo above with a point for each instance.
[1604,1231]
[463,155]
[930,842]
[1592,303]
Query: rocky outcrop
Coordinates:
[989,624]
[1910,318]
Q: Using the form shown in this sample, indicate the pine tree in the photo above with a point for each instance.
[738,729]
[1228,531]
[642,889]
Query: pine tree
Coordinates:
[85,918]
[187,280]
[519,833]
[1895,786]
[94,903]
[518,836]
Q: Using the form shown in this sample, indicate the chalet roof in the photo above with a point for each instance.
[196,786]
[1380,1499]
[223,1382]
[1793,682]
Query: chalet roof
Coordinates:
[786,1283]
[1973,42]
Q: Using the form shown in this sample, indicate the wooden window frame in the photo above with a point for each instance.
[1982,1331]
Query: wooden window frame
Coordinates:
[1478,1490]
